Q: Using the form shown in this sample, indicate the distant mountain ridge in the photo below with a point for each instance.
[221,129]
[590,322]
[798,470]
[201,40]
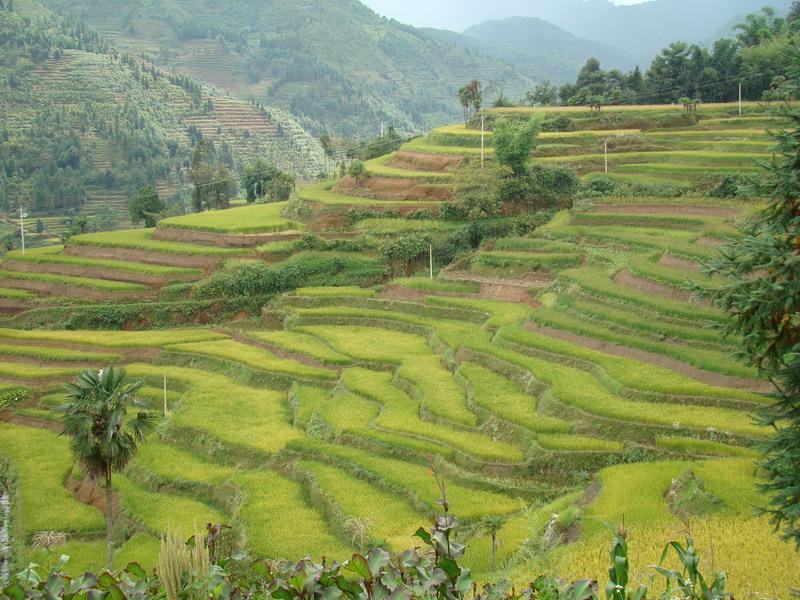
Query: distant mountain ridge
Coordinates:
[542,50]
[641,29]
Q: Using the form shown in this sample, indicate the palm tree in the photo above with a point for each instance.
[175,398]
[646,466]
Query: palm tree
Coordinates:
[104,439]
[491,527]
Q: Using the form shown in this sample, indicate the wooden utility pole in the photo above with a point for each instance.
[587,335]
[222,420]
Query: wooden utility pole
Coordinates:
[483,139]
[740,98]
[22,215]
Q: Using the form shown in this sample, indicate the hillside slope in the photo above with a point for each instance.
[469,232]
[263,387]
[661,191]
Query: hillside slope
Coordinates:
[84,126]
[336,64]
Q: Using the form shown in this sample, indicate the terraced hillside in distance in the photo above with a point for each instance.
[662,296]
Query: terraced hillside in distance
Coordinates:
[559,381]
[86,126]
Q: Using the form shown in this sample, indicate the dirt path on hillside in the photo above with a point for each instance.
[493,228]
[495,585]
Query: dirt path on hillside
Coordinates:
[537,281]
[685,264]
[652,358]
[707,242]
[418,161]
[145,256]
[647,286]
[8,417]
[657,209]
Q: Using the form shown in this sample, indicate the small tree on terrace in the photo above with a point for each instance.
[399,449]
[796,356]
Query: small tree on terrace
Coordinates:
[471,98]
[357,171]
[264,180]
[764,299]
[104,438]
[146,206]
[513,144]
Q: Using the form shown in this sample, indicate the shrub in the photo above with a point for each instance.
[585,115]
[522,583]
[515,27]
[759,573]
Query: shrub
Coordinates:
[557,124]
[542,186]
[307,269]
[728,186]
[602,185]
[9,398]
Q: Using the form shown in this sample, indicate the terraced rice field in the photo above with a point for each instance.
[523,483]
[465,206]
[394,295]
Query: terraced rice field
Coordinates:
[543,375]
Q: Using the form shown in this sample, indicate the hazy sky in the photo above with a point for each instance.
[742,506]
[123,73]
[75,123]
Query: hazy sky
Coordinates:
[444,14]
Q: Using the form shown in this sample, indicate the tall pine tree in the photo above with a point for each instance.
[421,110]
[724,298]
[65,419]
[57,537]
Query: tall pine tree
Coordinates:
[764,301]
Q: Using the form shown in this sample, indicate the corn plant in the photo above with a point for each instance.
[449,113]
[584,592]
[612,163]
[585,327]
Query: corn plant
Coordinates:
[690,580]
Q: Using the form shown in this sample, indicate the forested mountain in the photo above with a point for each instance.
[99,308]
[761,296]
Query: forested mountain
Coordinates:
[542,50]
[333,63]
[84,125]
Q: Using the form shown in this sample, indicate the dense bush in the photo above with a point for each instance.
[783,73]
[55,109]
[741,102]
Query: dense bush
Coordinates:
[727,186]
[13,397]
[541,186]
[557,124]
[602,185]
[302,270]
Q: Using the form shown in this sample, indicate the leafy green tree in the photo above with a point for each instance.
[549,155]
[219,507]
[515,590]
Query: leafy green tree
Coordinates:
[103,437]
[223,188]
[491,526]
[760,27]
[763,298]
[264,180]
[327,145]
[471,98]
[146,206]
[544,94]
[202,173]
[357,171]
[794,13]
[513,143]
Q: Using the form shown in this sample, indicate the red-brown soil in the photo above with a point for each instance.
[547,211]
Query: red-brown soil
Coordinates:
[93,272]
[707,242]
[419,161]
[47,289]
[657,209]
[395,188]
[143,256]
[651,287]
[680,263]
[222,240]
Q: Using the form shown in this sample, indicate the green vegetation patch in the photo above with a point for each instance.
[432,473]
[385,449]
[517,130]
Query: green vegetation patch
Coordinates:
[254,357]
[141,239]
[10,294]
[215,405]
[279,522]
[44,503]
[49,353]
[335,291]
[577,443]
[694,446]
[53,255]
[161,512]
[382,516]
[426,284]
[504,398]
[301,343]
[115,339]
[259,218]
[84,282]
